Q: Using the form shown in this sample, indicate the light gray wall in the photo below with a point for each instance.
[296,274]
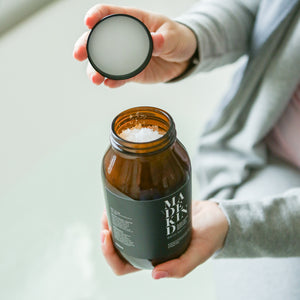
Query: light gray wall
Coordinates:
[14,11]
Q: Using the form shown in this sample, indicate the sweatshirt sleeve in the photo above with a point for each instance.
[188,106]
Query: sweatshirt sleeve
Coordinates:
[267,227]
[223,30]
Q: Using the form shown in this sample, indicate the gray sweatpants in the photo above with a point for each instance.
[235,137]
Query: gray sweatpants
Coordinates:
[261,278]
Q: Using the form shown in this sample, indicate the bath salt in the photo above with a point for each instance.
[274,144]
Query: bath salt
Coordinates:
[140,134]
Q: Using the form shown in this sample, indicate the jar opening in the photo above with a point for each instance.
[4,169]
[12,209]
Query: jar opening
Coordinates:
[141,134]
[142,130]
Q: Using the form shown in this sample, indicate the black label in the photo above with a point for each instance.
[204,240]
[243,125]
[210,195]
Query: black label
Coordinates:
[150,229]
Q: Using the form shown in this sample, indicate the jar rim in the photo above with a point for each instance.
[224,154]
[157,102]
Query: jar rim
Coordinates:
[138,115]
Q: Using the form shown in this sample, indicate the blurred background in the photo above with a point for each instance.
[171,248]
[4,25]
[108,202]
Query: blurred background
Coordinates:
[54,130]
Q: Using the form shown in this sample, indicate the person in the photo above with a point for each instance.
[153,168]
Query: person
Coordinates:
[249,153]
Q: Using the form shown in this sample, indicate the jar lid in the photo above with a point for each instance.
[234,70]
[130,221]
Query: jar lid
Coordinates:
[119,46]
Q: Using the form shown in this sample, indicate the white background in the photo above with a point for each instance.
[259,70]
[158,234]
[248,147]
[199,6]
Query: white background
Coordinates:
[54,130]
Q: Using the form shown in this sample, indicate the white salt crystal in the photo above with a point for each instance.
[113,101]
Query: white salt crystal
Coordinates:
[140,134]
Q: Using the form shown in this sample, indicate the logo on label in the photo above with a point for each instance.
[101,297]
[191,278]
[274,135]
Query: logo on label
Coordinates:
[175,212]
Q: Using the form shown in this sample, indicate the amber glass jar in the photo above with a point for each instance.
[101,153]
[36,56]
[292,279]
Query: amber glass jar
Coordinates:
[147,189]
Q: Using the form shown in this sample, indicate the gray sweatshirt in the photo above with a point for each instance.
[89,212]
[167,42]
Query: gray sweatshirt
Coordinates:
[232,145]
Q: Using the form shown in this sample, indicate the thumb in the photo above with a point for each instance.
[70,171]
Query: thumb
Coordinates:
[180,266]
[158,43]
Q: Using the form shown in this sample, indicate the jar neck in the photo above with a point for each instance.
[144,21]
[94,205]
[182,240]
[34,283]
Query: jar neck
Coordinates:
[144,116]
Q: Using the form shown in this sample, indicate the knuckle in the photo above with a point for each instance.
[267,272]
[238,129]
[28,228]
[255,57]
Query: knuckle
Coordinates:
[118,272]
[96,9]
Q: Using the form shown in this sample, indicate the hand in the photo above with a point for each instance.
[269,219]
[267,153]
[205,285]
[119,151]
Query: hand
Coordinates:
[173,45]
[210,228]
[119,265]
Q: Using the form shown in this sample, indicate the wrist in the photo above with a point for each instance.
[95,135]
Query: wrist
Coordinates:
[222,224]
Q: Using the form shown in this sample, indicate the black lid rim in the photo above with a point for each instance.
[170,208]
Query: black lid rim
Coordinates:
[136,71]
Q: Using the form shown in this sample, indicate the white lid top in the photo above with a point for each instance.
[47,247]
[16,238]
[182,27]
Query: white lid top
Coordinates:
[119,46]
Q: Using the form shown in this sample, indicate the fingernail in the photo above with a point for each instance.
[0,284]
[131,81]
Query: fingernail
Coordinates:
[103,237]
[160,274]
[86,17]
[95,79]
[87,20]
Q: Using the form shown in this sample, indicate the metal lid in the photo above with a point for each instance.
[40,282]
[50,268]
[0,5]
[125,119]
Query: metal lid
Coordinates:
[119,46]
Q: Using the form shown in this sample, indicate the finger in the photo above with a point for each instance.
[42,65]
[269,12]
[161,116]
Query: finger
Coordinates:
[93,75]
[158,43]
[79,51]
[99,11]
[181,266]
[176,268]
[115,83]
[118,265]
[104,221]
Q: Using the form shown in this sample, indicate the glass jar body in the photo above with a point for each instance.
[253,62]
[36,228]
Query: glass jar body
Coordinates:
[148,201]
